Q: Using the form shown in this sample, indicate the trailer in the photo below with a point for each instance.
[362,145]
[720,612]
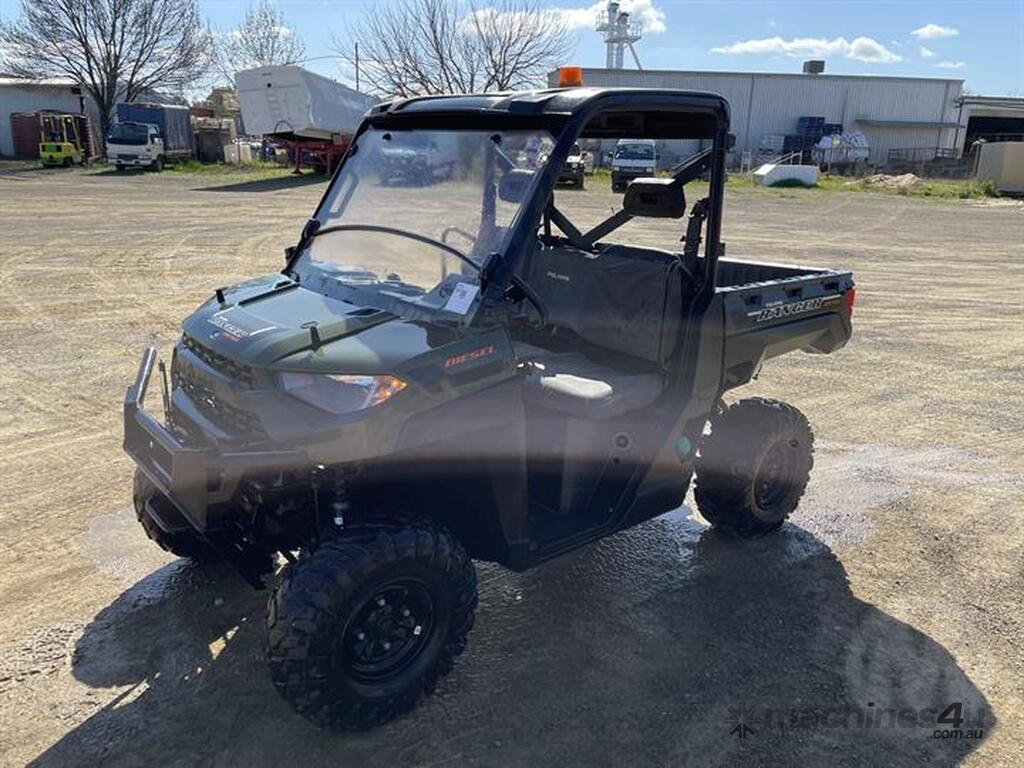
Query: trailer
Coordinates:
[312,115]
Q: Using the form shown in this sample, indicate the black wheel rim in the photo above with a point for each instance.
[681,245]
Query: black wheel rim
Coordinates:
[774,477]
[388,630]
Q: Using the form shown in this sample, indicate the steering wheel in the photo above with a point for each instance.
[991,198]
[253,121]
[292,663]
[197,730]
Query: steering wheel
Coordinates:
[532,297]
[401,233]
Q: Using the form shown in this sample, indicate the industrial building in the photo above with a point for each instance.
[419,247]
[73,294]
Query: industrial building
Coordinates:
[991,118]
[920,118]
[21,96]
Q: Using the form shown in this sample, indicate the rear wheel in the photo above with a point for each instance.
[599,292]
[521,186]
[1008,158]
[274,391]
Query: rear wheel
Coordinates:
[181,543]
[360,628]
[754,466]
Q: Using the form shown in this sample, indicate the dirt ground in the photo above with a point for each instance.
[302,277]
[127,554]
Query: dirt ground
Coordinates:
[895,592]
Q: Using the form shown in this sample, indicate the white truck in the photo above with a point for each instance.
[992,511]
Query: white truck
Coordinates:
[149,136]
[633,158]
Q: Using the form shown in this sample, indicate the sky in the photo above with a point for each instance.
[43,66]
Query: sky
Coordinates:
[979,41]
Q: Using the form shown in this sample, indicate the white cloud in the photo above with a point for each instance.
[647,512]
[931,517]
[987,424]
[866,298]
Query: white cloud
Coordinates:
[860,48]
[651,18]
[932,31]
[926,53]
[951,64]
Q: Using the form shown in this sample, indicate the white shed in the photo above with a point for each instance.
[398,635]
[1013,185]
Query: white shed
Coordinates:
[21,95]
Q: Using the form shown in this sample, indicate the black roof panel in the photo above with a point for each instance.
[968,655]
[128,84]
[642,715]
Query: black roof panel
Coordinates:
[564,101]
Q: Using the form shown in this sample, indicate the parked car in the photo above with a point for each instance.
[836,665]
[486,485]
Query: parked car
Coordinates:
[574,168]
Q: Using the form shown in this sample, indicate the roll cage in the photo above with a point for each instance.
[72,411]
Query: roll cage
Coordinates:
[572,114]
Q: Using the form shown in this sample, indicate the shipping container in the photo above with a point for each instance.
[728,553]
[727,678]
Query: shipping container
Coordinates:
[25,134]
[1003,163]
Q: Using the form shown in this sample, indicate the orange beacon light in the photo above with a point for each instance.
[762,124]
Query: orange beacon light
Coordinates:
[570,77]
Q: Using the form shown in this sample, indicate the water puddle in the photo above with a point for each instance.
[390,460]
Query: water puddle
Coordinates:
[119,548]
[849,483]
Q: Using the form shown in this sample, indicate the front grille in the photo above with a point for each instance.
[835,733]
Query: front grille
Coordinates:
[234,421]
[237,372]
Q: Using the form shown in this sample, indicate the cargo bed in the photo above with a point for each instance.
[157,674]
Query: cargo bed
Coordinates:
[771,309]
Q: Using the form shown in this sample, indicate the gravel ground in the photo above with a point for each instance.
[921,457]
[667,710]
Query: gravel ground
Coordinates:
[895,591]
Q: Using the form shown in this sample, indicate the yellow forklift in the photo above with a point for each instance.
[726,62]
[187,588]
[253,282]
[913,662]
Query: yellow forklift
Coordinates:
[60,142]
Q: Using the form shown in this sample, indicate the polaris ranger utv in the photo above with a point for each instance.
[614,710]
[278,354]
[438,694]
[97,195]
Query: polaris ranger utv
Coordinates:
[459,371]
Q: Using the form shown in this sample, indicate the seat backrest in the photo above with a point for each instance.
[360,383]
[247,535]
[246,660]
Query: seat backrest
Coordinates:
[623,298]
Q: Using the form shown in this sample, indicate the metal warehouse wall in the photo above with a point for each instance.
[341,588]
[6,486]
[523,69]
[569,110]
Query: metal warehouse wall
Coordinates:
[893,112]
[32,98]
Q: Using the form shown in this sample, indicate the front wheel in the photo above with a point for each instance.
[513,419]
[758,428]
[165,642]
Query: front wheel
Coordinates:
[181,543]
[360,628]
[158,164]
[754,466]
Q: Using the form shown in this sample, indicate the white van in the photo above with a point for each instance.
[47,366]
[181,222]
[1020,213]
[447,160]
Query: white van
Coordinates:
[633,158]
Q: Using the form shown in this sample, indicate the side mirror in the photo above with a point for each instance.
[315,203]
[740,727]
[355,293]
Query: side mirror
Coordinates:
[655,198]
[514,184]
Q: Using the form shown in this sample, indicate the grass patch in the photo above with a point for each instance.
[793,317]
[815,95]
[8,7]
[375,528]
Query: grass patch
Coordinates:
[254,170]
[966,189]
[949,189]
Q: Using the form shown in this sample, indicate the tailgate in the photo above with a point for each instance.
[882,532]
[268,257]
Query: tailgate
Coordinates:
[809,312]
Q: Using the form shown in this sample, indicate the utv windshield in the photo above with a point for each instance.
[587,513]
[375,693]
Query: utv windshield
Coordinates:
[128,133]
[403,196]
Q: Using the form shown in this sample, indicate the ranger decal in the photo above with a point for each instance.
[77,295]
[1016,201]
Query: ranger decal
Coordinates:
[793,308]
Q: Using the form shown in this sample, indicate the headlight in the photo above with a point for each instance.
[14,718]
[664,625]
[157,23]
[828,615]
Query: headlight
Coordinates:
[339,394]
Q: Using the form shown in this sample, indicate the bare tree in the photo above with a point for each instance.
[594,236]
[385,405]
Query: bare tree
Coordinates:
[114,49]
[415,47]
[519,44]
[262,39]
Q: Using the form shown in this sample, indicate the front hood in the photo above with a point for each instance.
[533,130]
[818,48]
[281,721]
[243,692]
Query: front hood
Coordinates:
[265,320]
